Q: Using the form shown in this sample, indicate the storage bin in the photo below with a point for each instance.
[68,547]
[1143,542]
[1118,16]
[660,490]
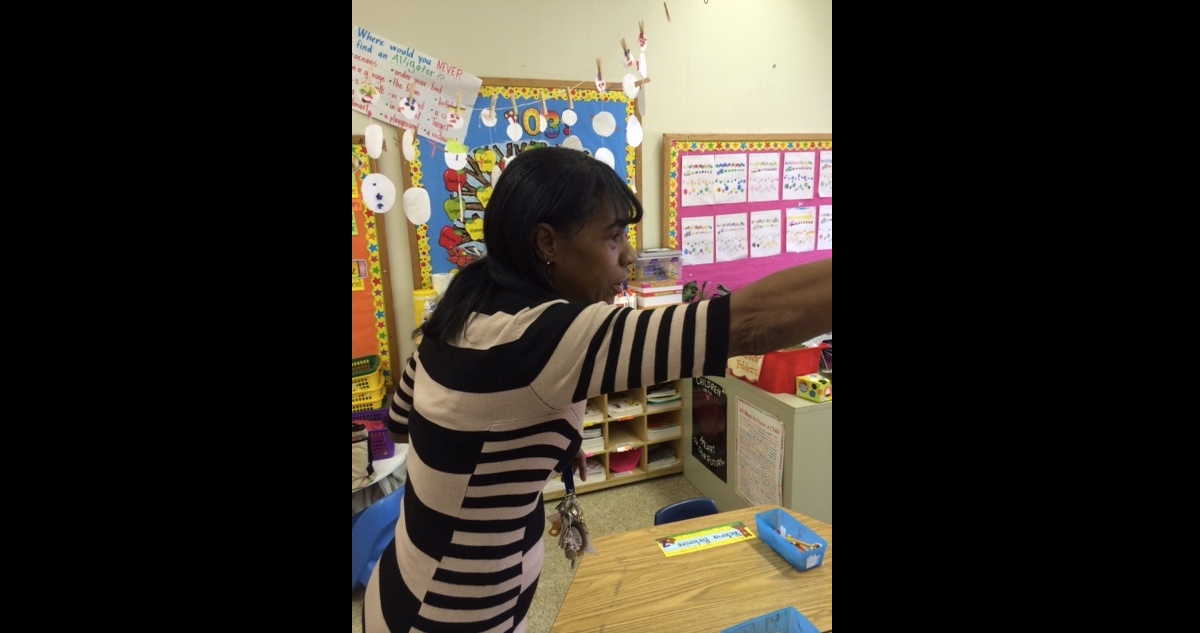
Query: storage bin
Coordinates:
[382,446]
[367,399]
[785,620]
[769,524]
[366,374]
[657,264]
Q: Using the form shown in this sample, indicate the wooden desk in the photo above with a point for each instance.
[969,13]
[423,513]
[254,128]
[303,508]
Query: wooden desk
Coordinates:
[629,586]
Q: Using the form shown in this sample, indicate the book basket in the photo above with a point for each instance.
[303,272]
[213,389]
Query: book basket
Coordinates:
[381,443]
[367,399]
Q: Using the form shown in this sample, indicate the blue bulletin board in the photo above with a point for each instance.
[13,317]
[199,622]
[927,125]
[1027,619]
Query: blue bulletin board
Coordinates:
[453,237]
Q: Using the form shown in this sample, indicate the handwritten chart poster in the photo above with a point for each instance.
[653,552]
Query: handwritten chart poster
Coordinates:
[801,229]
[708,425]
[765,232]
[398,85]
[799,174]
[759,177]
[825,228]
[760,455]
[731,237]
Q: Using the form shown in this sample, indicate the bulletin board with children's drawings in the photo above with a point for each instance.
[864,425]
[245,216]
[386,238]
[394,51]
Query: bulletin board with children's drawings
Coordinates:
[740,207]
[507,119]
[371,300]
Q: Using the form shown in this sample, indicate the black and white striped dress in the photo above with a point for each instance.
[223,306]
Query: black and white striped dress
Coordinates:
[491,420]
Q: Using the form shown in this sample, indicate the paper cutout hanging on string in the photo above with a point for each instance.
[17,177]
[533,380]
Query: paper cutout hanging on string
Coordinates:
[573,142]
[374,140]
[604,124]
[409,143]
[633,131]
[455,155]
[416,205]
[568,116]
[605,156]
[378,193]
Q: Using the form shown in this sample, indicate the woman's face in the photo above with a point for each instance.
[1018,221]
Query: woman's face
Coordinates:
[592,264]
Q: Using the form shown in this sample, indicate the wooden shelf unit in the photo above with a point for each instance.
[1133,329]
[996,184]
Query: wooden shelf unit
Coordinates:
[632,433]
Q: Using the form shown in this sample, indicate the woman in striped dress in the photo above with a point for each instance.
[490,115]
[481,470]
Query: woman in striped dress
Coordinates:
[491,403]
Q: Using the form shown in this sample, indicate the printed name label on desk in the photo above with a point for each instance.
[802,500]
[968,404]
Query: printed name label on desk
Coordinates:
[704,539]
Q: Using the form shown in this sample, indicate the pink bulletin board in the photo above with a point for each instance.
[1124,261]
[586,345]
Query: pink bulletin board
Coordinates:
[743,206]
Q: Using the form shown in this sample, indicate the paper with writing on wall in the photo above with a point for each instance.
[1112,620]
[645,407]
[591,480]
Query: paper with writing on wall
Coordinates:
[404,87]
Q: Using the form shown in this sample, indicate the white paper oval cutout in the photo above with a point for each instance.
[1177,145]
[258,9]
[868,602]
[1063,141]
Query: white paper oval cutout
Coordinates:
[416,205]
[410,148]
[573,142]
[604,124]
[514,132]
[605,156]
[378,193]
[633,131]
[488,117]
[454,120]
[569,117]
[542,123]
[374,140]
[629,85]
[455,155]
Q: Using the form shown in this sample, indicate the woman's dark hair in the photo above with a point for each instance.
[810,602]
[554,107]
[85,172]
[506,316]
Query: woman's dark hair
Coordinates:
[560,186]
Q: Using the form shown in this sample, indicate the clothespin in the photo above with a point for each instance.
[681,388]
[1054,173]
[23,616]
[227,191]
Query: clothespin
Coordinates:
[570,102]
[410,90]
[642,33]
[492,108]
[599,78]
[514,105]
[625,50]
[458,104]
[544,112]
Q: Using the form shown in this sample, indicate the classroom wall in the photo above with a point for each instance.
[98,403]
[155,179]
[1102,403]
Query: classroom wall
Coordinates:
[717,67]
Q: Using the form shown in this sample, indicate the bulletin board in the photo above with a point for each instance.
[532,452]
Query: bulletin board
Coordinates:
[371,300]
[452,237]
[743,206]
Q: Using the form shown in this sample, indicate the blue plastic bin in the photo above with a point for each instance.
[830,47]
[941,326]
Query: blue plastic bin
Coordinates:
[769,523]
[786,620]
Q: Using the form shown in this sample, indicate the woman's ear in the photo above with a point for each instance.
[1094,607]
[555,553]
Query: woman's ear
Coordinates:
[543,241]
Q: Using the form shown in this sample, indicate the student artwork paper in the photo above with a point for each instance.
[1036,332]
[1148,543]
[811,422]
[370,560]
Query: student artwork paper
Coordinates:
[825,228]
[799,174]
[825,184]
[730,178]
[765,232]
[398,85]
[801,229]
[731,237]
[697,240]
[764,177]
[696,181]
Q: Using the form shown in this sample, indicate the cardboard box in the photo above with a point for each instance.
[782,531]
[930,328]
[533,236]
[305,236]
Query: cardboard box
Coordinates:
[814,387]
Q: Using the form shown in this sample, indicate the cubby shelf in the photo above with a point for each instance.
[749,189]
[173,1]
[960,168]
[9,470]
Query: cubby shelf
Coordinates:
[632,433]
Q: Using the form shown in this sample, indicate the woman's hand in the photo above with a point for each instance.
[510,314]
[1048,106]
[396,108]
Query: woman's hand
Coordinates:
[579,463]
